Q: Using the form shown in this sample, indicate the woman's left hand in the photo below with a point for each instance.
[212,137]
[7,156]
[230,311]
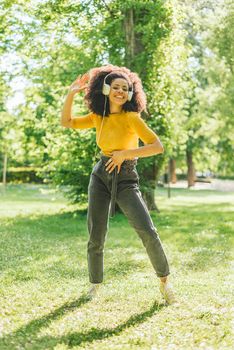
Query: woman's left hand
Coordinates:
[117,158]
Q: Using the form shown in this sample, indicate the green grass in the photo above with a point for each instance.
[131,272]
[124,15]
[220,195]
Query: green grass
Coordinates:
[44,275]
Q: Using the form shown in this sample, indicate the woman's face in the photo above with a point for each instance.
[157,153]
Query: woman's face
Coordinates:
[118,91]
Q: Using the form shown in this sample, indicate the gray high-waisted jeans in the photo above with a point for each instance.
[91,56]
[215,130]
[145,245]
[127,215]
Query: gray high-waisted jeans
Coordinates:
[103,190]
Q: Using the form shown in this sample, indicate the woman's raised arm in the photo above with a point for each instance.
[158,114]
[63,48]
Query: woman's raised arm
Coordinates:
[78,85]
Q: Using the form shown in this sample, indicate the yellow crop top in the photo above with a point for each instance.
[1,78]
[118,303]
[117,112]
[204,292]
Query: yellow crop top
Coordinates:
[120,131]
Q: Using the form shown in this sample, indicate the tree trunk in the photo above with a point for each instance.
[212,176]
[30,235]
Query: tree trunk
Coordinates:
[148,194]
[150,200]
[133,48]
[191,169]
[172,167]
[129,36]
[4,169]
[134,45]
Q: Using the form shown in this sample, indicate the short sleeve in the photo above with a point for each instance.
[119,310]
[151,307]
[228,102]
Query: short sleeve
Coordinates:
[140,127]
[84,122]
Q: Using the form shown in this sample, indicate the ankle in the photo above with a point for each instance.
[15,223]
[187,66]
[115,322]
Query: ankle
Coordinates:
[164,279]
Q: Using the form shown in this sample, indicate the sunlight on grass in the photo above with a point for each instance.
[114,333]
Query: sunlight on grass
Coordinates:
[44,275]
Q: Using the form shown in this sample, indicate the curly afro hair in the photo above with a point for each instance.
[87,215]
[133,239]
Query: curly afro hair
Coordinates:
[95,99]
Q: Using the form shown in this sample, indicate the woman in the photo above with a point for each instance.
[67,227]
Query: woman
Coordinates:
[115,98]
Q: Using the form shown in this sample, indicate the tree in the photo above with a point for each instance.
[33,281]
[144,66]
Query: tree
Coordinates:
[222,43]
[112,43]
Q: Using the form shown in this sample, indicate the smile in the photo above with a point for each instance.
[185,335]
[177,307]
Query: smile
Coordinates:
[119,97]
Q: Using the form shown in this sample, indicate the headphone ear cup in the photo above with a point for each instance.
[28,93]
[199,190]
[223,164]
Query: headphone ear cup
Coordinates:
[130,94]
[106,89]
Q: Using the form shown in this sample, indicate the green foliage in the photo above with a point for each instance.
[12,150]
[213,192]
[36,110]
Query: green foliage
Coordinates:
[71,155]
[21,175]
[183,53]
[221,41]
[205,96]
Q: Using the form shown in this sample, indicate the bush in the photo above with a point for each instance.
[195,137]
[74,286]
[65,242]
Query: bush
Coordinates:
[25,175]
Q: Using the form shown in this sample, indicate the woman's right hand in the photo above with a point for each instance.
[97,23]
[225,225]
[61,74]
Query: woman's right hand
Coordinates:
[81,83]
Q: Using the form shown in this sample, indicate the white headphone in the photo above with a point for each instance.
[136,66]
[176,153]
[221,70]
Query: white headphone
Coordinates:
[106,88]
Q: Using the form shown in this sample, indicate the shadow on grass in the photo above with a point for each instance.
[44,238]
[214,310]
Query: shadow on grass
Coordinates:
[27,337]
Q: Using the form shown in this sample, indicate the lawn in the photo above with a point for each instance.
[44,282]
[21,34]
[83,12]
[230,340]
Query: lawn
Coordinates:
[44,275]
